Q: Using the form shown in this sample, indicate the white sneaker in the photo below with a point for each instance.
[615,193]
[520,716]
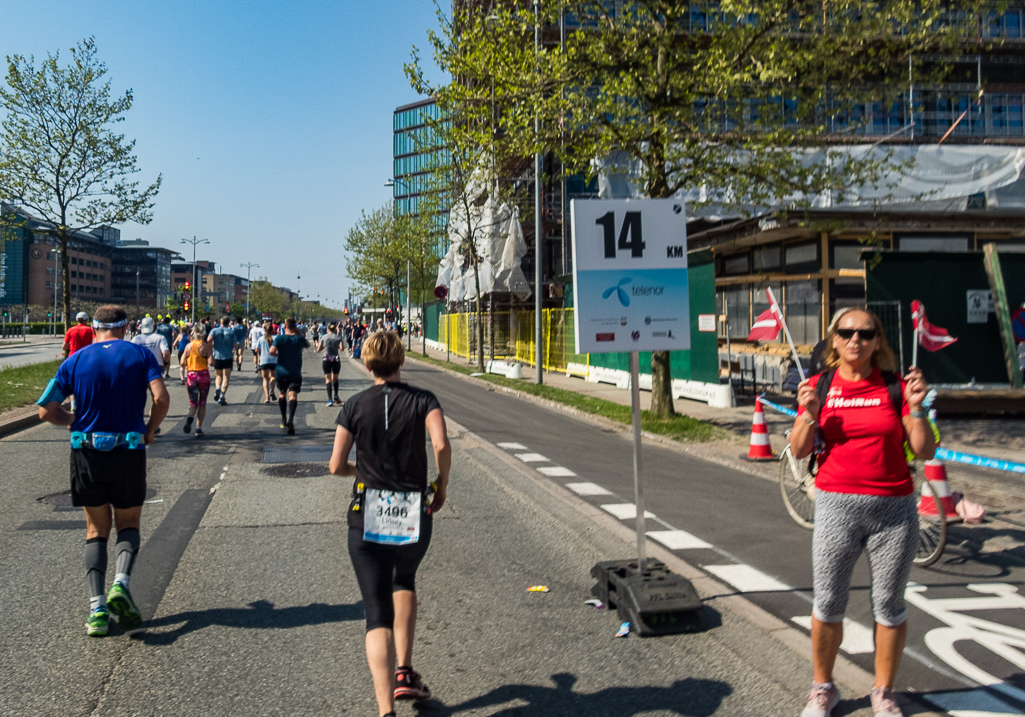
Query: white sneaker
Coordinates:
[884,703]
[821,701]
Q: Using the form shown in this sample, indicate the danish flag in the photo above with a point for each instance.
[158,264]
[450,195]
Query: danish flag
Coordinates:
[930,336]
[768,324]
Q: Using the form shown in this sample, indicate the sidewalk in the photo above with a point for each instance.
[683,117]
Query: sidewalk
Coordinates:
[997,438]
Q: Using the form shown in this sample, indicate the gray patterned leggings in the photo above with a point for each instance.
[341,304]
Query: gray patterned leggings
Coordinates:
[886,528]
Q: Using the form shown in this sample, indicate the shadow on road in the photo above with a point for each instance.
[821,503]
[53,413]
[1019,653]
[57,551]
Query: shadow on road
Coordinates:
[689,698]
[260,615]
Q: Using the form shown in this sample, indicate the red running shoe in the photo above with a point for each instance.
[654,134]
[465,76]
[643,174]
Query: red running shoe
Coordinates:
[409,686]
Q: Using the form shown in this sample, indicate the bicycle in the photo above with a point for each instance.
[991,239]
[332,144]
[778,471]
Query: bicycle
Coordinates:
[797,485]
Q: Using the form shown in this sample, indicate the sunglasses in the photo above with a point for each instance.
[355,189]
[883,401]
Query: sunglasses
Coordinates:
[848,334]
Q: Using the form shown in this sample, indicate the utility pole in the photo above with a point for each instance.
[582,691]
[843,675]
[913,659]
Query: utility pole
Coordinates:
[538,324]
[136,293]
[194,241]
[249,284]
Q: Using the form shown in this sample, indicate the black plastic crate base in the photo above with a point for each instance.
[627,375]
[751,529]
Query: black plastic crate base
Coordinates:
[655,601]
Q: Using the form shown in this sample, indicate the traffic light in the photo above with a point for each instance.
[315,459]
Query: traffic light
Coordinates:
[187,286]
[49,314]
[186,306]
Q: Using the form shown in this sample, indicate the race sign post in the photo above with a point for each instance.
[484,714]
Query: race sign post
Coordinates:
[631,294]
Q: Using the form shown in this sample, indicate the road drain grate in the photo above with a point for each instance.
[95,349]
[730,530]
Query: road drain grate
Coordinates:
[297,454]
[297,470]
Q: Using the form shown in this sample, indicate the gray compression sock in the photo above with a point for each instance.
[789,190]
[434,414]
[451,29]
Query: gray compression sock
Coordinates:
[127,548]
[96,566]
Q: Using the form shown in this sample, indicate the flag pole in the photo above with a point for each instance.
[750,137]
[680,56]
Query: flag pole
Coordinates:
[917,322]
[786,331]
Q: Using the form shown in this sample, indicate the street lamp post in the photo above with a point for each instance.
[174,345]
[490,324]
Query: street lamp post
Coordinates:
[538,333]
[56,270]
[249,284]
[409,324]
[194,241]
[136,293]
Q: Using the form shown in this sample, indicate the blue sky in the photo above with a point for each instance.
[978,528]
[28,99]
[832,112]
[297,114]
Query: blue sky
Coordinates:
[270,121]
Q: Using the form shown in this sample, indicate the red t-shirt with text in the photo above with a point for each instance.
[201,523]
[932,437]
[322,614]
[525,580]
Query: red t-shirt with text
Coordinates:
[864,450]
[78,337]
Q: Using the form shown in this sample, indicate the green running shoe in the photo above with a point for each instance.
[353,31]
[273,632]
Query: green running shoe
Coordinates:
[120,602]
[98,623]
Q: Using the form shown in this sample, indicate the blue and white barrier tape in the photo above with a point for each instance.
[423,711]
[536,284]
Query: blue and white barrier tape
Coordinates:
[944,454]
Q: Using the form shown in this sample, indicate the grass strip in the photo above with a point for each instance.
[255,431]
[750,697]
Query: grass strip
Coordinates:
[22,385]
[678,427]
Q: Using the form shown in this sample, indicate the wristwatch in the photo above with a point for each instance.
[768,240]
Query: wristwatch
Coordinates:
[808,419]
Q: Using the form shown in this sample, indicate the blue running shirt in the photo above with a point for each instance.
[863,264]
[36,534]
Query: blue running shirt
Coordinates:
[223,339]
[110,381]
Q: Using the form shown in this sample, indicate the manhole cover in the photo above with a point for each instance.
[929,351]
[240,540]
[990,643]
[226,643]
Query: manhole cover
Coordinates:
[297,470]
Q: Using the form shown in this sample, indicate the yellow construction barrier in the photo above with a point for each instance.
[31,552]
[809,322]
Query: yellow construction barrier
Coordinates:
[510,334]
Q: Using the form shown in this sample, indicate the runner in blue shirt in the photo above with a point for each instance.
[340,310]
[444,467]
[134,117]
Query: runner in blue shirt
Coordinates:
[241,332]
[223,340]
[288,347]
[109,435]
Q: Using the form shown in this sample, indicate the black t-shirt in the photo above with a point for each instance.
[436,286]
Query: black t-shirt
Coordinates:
[391,448]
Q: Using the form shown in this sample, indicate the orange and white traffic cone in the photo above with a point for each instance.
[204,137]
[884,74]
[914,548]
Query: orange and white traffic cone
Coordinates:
[761,449]
[936,474]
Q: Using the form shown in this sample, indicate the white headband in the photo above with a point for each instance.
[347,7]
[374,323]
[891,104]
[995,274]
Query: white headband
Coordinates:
[112,325]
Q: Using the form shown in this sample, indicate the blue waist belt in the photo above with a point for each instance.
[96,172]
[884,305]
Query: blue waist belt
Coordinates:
[102,441]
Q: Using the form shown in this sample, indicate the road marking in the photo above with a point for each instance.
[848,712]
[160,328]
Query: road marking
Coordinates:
[746,579]
[532,457]
[512,446]
[587,489]
[557,471]
[678,539]
[625,511]
[857,639]
[971,703]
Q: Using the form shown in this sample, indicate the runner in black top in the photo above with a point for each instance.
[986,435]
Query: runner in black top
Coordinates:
[390,517]
[288,347]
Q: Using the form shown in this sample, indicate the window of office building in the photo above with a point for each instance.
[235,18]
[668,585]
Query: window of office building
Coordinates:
[847,256]
[737,265]
[768,258]
[934,243]
[49,271]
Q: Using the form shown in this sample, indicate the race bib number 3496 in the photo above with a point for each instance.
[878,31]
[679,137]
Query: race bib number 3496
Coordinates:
[391,517]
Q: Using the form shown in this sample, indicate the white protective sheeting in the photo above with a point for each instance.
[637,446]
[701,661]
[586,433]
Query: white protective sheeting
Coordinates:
[941,178]
[500,245]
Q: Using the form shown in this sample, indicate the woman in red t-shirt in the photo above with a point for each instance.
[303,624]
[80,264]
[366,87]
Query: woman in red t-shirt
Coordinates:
[864,497]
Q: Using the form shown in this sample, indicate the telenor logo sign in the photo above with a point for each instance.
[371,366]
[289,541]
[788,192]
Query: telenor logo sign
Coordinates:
[624,298]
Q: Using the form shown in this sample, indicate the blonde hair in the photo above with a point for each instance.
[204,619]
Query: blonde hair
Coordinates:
[882,358]
[383,353]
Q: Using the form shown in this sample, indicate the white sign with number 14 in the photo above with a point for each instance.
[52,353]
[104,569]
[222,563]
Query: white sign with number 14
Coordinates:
[630,290]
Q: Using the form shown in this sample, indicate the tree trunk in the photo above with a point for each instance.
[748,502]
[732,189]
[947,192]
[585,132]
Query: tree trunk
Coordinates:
[662,397]
[480,322]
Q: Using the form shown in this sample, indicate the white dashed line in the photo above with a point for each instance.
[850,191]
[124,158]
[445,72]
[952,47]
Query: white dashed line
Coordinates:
[532,457]
[625,511]
[556,472]
[971,703]
[746,579]
[678,539]
[588,489]
[512,446]
[857,639]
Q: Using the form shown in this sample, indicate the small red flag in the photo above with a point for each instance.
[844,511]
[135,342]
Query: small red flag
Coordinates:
[930,336]
[766,327]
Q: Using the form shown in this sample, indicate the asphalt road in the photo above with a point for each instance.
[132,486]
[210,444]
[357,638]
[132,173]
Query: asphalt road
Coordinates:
[252,608]
[18,354]
[968,624]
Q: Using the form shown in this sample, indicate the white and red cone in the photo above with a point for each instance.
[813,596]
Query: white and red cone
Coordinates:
[761,449]
[936,474]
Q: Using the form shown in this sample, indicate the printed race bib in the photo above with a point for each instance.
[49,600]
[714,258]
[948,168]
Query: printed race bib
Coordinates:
[391,517]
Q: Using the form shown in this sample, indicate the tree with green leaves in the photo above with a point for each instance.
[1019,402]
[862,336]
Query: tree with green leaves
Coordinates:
[59,154]
[747,101]
[265,298]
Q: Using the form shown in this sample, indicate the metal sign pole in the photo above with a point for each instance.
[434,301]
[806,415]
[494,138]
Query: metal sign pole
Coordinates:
[635,403]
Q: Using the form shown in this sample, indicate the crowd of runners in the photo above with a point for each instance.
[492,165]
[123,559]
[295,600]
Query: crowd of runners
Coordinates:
[111,365]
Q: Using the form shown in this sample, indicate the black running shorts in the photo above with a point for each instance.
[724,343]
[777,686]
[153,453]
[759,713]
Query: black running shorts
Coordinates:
[288,382]
[331,365]
[221,364]
[117,477]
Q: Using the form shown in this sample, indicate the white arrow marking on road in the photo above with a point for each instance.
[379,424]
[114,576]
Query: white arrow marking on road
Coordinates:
[857,639]
[678,539]
[746,579]
[556,471]
[588,489]
[625,511]
[971,703]
[512,446]
[532,457]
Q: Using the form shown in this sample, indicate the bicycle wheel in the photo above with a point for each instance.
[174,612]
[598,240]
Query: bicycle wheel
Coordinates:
[798,488]
[932,525]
